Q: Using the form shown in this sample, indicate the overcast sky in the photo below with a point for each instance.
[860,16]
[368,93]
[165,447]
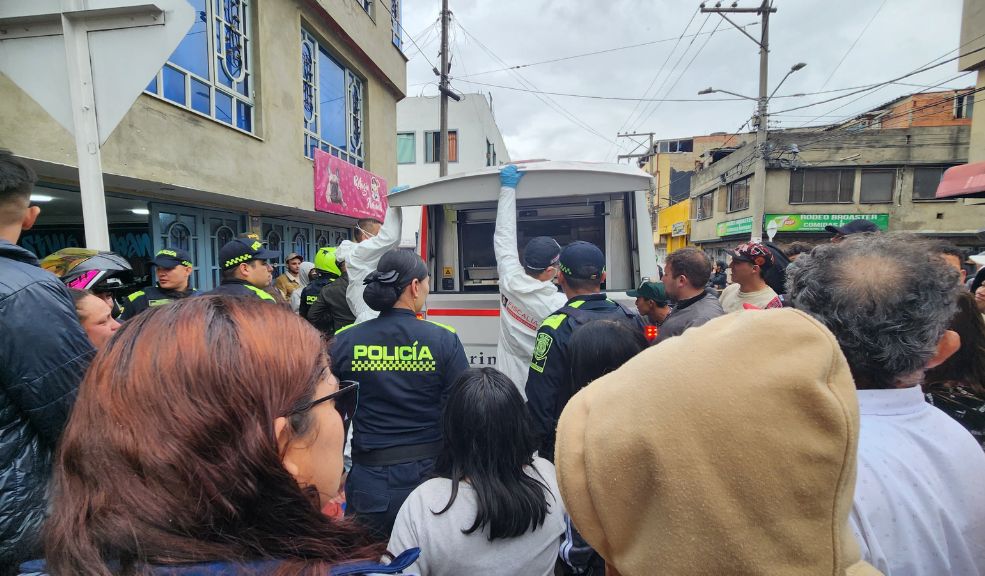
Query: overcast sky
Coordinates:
[903,36]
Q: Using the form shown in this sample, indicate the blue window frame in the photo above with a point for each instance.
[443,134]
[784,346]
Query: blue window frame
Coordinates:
[332,96]
[210,72]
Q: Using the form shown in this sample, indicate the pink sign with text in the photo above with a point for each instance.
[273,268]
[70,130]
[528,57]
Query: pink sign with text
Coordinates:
[341,188]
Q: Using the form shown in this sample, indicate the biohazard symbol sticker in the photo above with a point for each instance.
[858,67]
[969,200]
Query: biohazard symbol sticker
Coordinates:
[541,348]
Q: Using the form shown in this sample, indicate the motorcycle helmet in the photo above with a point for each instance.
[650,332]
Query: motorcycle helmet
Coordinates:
[325,261]
[94,270]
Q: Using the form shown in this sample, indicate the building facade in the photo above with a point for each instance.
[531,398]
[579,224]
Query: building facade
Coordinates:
[816,178]
[973,59]
[222,139]
[474,139]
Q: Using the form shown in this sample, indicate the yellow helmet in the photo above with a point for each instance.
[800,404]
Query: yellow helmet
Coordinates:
[325,261]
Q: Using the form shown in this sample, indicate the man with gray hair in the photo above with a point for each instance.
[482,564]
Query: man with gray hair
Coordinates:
[918,506]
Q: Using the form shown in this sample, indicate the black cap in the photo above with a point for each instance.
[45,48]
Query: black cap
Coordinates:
[541,253]
[853,227]
[240,250]
[171,257]
[582,260]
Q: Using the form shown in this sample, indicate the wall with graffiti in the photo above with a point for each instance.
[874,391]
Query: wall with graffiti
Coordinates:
[132,241]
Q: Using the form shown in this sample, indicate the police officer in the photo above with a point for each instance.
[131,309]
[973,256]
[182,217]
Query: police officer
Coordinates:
[174,270]
[582,271]
[244,269]
[405,367]
[327,270]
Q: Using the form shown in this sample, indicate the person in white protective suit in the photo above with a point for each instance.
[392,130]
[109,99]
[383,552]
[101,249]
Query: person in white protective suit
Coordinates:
[527,293]
[373,240]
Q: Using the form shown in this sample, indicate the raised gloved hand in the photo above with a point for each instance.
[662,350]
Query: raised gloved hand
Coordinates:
[510,176]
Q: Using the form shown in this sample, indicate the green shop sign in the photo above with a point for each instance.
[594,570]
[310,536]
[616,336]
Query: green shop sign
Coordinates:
[740,226]
[817,222]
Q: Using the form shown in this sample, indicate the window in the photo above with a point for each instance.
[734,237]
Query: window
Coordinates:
[675,146]
[703,206]
[877,186]
[406,153]
[210,72]
[964,105]
[738,195]
[822,186]
[925,181]
[333,104]
[366,5]
[395,18]
[432,146]
[490,154]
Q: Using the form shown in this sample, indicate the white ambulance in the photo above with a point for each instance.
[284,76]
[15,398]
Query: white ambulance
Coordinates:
[605,204]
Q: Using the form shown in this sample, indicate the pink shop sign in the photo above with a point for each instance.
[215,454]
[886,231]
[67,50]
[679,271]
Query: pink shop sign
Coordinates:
[341,188]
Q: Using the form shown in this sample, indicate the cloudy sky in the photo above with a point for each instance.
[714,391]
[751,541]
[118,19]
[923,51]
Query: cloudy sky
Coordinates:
[891,38]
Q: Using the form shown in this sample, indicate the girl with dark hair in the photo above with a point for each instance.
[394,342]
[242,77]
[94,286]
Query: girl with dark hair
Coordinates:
[211,457]
[957,386]
[597,348]
[406,367]
[493,508]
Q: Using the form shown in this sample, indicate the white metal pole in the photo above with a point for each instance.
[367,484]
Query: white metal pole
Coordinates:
[94,219]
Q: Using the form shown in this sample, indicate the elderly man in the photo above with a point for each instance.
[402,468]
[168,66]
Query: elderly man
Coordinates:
[919,507]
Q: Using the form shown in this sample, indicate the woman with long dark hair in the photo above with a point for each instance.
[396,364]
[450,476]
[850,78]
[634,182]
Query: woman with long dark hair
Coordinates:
[201,444]
[493,508]
[406,367]
[957,386]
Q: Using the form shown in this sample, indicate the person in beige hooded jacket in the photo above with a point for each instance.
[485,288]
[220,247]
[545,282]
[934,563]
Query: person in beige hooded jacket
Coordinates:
[744,465]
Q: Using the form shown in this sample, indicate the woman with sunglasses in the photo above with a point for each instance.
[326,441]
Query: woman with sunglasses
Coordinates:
[200,444]
[405,367]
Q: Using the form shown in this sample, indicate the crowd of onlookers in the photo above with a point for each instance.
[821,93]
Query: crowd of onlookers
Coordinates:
[813,410]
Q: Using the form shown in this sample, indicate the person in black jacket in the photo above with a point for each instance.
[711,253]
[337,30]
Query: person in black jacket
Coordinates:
[245,269]
[43,355]
[326,272]
[174,270]
[331,310]
[582,271]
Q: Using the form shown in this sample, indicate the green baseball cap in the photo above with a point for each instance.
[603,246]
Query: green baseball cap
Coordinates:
[651,291]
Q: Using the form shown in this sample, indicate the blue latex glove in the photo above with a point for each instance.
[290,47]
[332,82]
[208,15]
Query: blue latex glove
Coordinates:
[510,176]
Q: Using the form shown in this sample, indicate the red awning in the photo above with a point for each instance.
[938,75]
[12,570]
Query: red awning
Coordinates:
[964,181]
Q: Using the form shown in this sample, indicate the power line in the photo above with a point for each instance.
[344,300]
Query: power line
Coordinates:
[585,54]
[594,96]
[657,75]
[403,31]
[852,47]
[550,103]
[672,70]
[683,72]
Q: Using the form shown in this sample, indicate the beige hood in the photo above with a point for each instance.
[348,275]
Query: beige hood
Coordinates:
[728,450]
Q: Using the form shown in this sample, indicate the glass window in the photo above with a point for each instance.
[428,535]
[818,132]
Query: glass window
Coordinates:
[406,153]
[704,206]
[395,18]
[964,105]
[432,146]
[333,104]
[209,72]
[925,181]
[738,195]
[822,186]
[877,186]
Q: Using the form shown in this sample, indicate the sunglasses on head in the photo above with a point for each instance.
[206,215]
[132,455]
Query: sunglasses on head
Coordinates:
[346,400]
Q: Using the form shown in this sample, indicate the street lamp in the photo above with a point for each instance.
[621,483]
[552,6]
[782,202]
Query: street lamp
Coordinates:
[794,68]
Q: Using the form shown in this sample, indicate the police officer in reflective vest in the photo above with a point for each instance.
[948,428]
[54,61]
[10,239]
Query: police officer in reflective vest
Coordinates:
[245,270]
[174,270]
[582,271]
[405,367]
[327,270]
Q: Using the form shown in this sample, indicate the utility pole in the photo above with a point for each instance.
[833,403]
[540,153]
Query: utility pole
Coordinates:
[632,137]
[757,198]
[443,88]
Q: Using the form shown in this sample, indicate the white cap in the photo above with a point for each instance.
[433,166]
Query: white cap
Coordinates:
[343,251]
[978,258]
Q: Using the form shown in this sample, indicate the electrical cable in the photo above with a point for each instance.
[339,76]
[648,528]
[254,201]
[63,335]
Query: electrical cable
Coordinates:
[400,25]
[596,52]
[852,47]
[596,97]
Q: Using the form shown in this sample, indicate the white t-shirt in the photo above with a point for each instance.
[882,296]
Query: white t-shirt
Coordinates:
[733,298]
[446,551]
[919,506]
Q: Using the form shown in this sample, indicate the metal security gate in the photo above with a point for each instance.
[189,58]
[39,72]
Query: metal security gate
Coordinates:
[200,232]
